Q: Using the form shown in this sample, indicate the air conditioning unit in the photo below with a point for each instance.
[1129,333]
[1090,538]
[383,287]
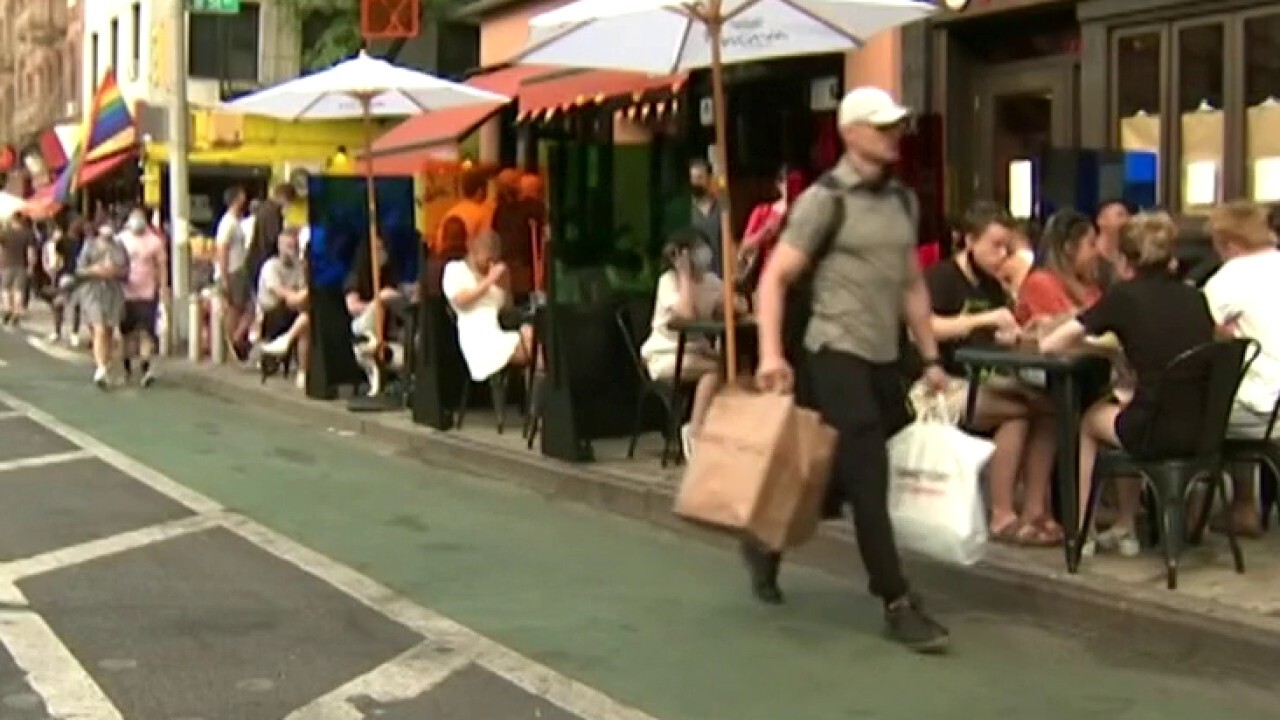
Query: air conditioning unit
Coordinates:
[297,174]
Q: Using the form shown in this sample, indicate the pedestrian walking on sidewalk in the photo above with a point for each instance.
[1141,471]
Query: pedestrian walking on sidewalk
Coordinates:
[845,277]
[102,267]
[147,282]
[61,253]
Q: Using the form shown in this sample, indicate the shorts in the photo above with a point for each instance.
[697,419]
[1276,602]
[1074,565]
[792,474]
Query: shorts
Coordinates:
[14,280]
[238,293]
[1247,424]
[140,316]
[662,366]
[277,321]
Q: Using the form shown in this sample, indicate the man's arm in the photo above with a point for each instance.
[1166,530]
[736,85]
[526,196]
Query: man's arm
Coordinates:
[808,227]
[917,311]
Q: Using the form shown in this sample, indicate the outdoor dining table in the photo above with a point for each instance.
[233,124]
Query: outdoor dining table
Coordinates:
[1066,375]
[714,329]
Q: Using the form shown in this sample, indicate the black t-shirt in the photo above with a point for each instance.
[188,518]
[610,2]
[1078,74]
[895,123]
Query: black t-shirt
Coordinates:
[1156,318]
[16,242]
[953,293]
[360,279]
[68,250]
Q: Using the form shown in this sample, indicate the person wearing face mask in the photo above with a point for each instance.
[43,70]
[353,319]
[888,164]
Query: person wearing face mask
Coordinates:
[688,290]
[704,209]
[477,288]
[102,268]
[146,283]
[282,299]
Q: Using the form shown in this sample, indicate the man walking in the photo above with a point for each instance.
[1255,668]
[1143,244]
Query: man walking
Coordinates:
[18,254]
[851,241]
[146,283]
[231,271]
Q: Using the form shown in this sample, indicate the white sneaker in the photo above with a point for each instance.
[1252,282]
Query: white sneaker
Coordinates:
[686,441]
[53,338]
[278,346]
[1120,540]
[1090,547]
[75,341]
[301,380]
[100,378]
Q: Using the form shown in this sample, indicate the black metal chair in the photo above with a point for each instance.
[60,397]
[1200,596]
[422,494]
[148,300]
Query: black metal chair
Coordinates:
[1171,466]
[1262,452]
[665,392]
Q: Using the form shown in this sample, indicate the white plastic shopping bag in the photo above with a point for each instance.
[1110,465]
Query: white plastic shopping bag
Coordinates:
[935,502]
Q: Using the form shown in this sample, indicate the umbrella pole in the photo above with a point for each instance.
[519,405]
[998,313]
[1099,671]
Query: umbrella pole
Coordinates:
[375,260]
[715,25]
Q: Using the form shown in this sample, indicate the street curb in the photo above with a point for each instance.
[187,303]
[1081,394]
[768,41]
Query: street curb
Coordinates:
[1162,622]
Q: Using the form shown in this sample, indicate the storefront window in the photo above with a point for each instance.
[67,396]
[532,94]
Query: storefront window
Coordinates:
[1138,90]
[1199,104]
[1262,106]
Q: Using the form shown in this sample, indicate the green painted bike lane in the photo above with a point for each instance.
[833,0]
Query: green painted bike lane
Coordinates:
[654,620]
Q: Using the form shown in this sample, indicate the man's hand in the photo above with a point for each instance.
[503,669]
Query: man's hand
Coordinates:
[773,374]
[1001,320]
[497,271]
[936,379]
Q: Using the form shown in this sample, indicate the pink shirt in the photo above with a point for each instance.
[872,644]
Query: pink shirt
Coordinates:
[145,251]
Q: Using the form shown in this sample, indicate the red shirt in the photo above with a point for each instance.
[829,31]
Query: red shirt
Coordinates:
[1045,294]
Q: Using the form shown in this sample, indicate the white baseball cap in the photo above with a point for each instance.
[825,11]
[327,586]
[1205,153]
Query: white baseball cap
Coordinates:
[870,105]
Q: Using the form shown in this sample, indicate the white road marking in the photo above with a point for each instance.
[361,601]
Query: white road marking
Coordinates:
[44,460]
[419,669]
[16,570]
[387,683]
[10,414]
[57,351]
[69,693]
[4,363]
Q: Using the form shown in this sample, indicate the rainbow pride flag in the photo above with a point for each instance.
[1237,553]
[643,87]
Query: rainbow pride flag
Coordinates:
[107,120]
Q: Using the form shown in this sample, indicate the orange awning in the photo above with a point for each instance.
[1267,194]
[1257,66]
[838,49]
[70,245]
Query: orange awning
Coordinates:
[419,135]
[564,90]
[42,204]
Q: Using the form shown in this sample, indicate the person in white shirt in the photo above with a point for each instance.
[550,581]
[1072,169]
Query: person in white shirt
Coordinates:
[477,289]
[282,299]
[688,290]
[231,273]
[1241,296]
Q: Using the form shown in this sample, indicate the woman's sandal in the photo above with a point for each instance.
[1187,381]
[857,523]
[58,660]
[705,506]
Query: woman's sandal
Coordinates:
[1018,533]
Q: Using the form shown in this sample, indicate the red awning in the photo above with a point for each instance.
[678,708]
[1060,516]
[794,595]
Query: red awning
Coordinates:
[42,204]
[566,89]
[403,145]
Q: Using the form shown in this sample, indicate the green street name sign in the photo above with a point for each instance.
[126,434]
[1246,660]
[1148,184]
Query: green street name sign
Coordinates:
[228,7]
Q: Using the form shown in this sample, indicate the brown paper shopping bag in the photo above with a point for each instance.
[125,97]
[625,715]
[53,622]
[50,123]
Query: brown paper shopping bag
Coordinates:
[752,468]
[817,454]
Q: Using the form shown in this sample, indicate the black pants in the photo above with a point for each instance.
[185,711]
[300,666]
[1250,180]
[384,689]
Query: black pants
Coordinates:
[867,404]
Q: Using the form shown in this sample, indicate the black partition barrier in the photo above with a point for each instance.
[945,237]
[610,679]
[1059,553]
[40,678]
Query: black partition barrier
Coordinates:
[440,371]
[591,385]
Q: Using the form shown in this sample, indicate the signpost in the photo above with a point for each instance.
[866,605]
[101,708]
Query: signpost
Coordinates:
[227,7]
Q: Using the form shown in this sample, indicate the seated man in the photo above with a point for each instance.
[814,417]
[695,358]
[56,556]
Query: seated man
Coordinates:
[282,301]
[1241,298]
[365,318]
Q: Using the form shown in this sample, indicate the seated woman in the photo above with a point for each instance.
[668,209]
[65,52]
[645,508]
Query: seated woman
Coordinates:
[476,288]
[1156,318]
[969,304]
[688,290]
[1066,282]
[282,301]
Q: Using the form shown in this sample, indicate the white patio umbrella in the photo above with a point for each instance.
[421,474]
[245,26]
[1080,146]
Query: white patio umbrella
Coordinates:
[669,36]
[362,87]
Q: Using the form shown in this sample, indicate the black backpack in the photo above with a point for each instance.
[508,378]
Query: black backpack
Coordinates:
[798,307]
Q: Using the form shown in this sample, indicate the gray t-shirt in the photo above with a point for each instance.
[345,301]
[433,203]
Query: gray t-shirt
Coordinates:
[858,288]
[231,233]
[277,276]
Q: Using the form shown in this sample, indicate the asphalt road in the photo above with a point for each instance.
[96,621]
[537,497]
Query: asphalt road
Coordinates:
[166,556]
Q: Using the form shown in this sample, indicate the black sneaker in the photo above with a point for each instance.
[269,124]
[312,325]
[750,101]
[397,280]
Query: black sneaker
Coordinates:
[762,567]
[907,623]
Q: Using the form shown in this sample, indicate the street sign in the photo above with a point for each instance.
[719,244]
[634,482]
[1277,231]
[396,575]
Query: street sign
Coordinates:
[224,7]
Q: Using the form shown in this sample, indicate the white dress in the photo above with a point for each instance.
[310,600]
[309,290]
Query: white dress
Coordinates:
[486,347]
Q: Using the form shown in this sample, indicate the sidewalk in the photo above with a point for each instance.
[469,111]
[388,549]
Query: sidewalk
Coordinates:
[1213,605]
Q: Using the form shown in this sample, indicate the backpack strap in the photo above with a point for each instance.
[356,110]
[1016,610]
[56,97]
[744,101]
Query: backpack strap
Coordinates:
[903,194]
